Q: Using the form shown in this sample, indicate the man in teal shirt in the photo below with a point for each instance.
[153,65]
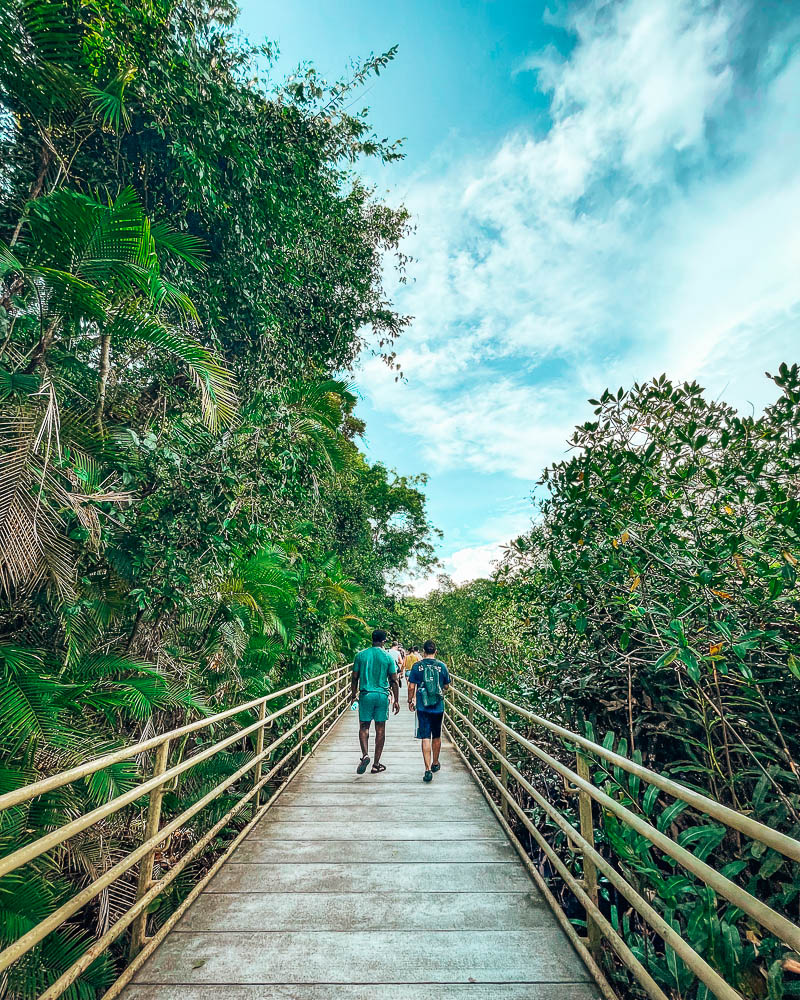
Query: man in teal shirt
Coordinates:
[374,671]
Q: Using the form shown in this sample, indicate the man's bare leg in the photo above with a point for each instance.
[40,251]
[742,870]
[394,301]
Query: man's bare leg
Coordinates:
[380,739]
[363,737]
[436,746]
[426,753]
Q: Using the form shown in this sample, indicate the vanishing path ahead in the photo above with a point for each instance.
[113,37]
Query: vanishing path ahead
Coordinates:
[370,887]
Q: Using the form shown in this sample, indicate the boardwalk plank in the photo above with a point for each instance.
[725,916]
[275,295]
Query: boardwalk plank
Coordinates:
[397,852]
[385,809]
[327,896]
[380,877]
[382,991]
[347,830]
[362,957]
[407,912]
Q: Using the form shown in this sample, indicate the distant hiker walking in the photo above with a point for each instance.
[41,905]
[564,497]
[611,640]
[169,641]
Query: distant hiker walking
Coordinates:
[427,682]
[396,654]
[412,657]
[374,672]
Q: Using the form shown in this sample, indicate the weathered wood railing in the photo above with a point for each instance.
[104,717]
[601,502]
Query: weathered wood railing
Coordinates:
[330,690]
[468,701]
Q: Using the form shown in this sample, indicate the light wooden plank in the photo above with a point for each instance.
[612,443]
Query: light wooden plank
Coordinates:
[404,912]
[363,877]
[372,991]
[399,852]
[387,811]
[345,830]
[364,957]
[345,796]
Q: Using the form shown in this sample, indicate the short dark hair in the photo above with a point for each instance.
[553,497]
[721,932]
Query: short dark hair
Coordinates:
[415,649]
[430,646]
[378,636]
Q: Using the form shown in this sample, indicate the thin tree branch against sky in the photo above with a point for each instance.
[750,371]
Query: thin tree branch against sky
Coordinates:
[602,192]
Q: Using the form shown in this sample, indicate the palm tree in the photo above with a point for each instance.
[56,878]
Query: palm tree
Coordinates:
[314,410]
[92,269]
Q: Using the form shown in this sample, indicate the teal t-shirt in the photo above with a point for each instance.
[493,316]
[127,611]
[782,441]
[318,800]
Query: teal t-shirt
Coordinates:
[373,666]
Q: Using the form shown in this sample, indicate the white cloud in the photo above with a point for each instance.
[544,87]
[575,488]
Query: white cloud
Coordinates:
[511,517]
[467,564]
[654,227]
[463,565]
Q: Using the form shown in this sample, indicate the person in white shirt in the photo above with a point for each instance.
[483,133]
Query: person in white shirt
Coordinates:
[396,654]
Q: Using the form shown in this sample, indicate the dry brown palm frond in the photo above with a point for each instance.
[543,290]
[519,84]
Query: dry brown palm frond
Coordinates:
[37,489]
[95,852]
[148,731]
[32,540]
[82,503]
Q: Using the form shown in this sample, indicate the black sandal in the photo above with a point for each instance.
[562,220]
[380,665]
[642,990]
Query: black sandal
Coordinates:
[377,768]
[363,765]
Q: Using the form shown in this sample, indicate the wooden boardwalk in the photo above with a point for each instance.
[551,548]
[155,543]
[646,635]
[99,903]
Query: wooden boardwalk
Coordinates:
[370,888]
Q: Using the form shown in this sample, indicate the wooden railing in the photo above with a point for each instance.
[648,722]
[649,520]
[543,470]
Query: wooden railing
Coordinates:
[329,690]
[487,758]
[478,721]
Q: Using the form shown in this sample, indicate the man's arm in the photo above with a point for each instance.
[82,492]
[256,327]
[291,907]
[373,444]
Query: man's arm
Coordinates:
[412,690]
[354,686]
[395,693]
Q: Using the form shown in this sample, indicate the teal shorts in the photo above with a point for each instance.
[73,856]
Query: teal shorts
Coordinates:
[373,706]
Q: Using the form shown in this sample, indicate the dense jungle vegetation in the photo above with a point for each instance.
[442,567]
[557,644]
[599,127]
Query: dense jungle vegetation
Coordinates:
[653,605]
[188,260]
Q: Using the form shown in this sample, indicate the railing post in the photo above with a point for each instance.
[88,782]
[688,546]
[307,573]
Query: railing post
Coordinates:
[501,711]
[139,926]
[262,711]
[302,716]
[589,869]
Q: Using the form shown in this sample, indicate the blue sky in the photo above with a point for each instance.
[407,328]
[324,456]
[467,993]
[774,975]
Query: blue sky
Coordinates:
[602,191]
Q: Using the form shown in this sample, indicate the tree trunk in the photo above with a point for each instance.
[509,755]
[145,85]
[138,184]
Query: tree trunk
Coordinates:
[105,368]
[36,188]
[38,355]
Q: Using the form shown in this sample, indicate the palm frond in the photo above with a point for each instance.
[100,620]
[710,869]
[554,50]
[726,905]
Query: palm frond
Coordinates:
[182,245]
[108,104]
[32,542]
[28,697]
[215,381]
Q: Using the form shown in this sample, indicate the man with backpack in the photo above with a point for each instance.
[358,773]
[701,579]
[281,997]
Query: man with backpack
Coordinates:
[427,683]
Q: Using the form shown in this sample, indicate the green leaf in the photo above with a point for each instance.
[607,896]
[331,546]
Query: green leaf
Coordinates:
[670,814]
[689,660]
[667,658]
[649,800]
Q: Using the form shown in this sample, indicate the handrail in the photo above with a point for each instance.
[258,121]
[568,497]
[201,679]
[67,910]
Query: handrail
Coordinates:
[586,891]
[26,792]
[136,915]
[56,837]
[780,842]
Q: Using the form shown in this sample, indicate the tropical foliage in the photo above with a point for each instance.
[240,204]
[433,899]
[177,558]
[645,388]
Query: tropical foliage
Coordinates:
[188,262]
[653,603]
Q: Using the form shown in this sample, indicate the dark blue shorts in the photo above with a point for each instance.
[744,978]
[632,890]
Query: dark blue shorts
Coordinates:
[429,725]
